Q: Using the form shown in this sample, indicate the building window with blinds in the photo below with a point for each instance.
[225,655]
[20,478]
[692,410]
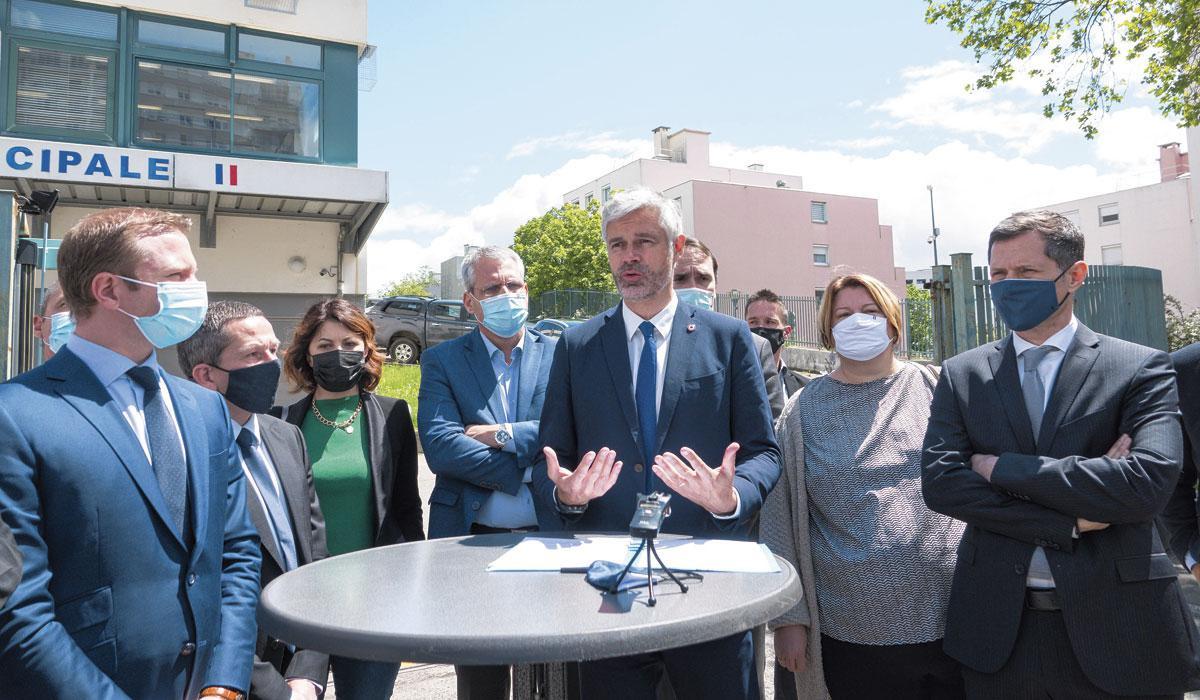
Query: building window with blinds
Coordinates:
[62,90]
[817,213]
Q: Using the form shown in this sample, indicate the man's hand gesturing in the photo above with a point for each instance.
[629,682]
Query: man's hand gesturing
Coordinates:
[593,476]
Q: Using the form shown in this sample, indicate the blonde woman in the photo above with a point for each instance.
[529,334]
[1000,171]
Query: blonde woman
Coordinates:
[875,562]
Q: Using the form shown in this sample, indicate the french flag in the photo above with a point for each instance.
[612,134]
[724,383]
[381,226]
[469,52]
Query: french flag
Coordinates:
[221,174]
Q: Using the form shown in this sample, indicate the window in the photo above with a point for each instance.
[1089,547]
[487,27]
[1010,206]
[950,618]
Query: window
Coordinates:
[1111,255]
[820,255]
[587,200]
[285,52]
[575,202]
[402,308]
[819,293]
[446,311]
[606,193]
[177,36]
[64,19]
[182,106]
[817,210]
[274,115]
[62,90]
[1109,214]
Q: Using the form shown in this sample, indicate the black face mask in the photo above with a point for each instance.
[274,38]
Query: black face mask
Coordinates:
[774,336]
[337,370]
[253,388]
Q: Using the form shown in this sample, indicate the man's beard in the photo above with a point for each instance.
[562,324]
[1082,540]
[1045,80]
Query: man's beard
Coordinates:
[649,285]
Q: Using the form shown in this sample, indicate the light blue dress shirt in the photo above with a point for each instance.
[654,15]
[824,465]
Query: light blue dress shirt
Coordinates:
[274,487]
[110,368]
[502,510]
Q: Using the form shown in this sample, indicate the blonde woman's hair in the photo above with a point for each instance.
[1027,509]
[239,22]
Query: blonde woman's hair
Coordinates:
[883,297]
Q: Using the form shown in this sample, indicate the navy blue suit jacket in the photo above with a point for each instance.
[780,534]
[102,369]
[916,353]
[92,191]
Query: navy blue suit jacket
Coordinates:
[458,388]
[113,603]
[713,394]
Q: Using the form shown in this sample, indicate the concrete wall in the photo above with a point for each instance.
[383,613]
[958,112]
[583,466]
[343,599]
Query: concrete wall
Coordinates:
[764,236]
[313,18]
[1156,229]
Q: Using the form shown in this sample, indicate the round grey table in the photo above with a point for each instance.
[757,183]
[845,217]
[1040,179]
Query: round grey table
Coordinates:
[434,602]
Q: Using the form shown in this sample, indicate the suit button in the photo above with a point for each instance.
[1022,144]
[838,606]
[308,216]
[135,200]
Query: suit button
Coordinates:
[188,649]
[1020,569]
[475,505]
[191,579]
[637,468]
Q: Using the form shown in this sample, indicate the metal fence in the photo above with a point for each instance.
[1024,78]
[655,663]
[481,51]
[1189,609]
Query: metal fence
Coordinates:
[917,341]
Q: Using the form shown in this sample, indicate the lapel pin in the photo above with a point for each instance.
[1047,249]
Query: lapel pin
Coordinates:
[691,327]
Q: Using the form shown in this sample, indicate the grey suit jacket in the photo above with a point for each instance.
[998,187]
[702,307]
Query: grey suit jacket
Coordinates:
[273,661]
[1129,626]
[771,378]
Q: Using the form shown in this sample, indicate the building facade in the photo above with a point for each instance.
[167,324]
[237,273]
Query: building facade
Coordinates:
[1151,226]
[764,228]
[241,114]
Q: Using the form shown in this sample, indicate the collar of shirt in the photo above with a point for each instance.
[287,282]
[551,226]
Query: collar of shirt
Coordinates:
[662,320]
[1061,340]
[492,349]
[251,425]
[108,365]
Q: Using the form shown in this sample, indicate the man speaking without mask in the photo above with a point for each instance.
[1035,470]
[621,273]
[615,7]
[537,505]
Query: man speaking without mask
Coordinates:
[235,353]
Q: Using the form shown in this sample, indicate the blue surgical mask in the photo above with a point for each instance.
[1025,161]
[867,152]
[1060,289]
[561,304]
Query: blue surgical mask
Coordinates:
[61,328]
[1025,303]
[505,315]
[696,297]
[181,310]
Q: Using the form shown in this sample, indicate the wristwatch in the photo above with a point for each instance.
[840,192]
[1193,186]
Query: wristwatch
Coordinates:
[502,437]
[214,691]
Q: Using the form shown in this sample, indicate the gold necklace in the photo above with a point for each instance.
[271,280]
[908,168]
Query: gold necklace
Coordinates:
[348,426]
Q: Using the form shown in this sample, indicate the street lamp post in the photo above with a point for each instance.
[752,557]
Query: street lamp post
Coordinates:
[933,224]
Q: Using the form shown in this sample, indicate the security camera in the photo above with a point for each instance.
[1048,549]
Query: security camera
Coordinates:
[328,271]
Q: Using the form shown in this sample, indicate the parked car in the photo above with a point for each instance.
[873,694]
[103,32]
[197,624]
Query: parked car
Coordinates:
[553,326]
[408,326]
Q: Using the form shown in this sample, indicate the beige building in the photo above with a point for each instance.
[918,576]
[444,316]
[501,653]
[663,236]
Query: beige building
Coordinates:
[1151,226]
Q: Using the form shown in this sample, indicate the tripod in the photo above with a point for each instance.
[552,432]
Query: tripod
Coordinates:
[648,545]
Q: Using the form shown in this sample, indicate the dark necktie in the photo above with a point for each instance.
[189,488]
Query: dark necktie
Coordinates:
[276,510]
[166,454]
[1034,391]
[646,390]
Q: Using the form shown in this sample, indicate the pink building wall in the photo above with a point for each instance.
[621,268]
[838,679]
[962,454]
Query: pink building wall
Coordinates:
[764,237]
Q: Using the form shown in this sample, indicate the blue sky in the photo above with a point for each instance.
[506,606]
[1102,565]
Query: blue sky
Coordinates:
[485,113]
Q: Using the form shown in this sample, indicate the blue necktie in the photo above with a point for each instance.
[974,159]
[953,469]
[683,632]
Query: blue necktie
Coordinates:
[166,455]
[276,510]
[646,389]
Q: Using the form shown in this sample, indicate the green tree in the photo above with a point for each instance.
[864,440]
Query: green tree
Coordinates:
[414,284]
[1183,329]
[1073,48]
[920,321]
[562,249]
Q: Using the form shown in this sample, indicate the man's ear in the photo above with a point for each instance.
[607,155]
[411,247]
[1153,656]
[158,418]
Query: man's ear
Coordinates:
[202,374]
[103,288]
[1077,275]
[679,242]
[787,332]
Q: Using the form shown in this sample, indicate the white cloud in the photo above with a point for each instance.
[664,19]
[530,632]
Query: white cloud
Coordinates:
[864,144]
[605,142]
[391,251]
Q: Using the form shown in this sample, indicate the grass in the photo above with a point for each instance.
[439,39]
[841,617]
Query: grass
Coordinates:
[401,382]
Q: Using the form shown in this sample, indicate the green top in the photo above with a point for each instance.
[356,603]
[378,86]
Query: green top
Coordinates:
[342,475]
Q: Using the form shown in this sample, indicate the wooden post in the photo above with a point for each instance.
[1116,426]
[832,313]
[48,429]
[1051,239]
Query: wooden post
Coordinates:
[942,311]
[962,288]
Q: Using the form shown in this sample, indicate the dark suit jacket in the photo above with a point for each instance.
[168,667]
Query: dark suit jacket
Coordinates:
[392,444]
[1181,515]
[793,381]
[713,394]
[770,373]
[10,563]
[273,661]
[114,602]
[458,388]
[1129,626]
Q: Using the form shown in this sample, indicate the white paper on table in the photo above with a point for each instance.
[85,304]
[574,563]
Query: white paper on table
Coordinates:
[551,554]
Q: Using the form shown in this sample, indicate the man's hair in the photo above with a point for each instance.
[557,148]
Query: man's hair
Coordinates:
[626,202]
[295,361]
[1064,242]
[695,244]
[53,289]
[206,345]
[489,252]
[107,241]
[883,297]
[771,298]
